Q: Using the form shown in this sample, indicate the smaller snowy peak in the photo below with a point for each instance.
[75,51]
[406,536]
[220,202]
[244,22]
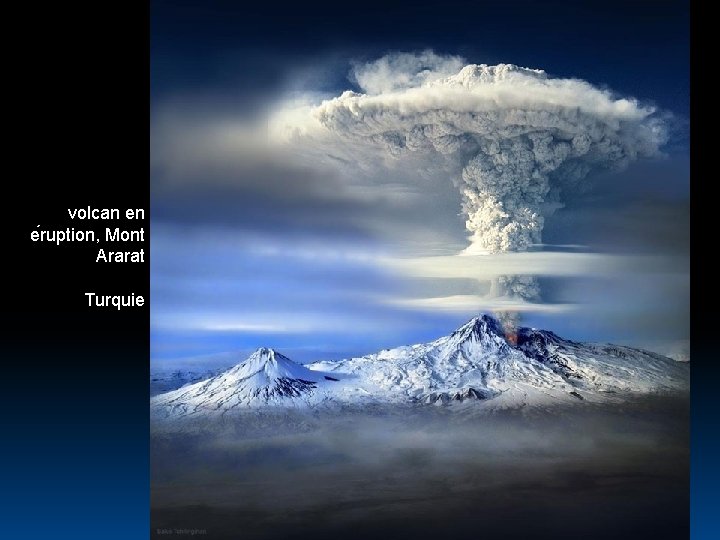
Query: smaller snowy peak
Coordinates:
[265,378]
[271,365]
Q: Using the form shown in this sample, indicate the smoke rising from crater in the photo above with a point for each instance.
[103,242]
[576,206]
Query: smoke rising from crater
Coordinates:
[522,140]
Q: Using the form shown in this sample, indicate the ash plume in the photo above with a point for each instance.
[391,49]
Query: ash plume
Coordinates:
[520,139]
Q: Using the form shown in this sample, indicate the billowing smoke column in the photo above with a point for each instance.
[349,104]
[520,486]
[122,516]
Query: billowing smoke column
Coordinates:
[522,139]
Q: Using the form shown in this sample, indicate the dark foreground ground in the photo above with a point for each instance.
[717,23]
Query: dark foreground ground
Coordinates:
[588,473]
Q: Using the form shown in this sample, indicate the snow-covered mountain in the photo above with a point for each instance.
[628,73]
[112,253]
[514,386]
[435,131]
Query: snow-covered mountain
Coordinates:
[476,366]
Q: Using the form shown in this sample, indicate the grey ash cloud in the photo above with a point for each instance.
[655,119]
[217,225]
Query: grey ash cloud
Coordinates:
[521,138]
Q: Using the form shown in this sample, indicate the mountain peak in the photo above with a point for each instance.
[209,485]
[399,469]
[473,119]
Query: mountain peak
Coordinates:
[263,355]
[483,329]
[264,351]
[270,362]
[481,325]
[261,358]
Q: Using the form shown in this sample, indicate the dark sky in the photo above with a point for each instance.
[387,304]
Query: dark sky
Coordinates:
[639,48]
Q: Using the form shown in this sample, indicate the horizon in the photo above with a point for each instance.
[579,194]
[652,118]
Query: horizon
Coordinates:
[227,359]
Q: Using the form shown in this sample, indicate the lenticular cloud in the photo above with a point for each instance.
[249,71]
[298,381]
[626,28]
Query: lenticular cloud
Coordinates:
[522,139]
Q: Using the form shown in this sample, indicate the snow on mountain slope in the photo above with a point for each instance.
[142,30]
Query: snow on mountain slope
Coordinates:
[475,365]
[265,378]
[603,368]
[476,356]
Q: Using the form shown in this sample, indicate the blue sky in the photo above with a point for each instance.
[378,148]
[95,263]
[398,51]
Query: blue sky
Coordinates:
[251,247]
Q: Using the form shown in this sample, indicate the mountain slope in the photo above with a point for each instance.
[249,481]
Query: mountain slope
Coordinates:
[603,367]
[265,378]
[475,366]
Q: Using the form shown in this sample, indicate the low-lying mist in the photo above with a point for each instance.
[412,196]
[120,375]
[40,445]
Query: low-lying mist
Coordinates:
[584,472]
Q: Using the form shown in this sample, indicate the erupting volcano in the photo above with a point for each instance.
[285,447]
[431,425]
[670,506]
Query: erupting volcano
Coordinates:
[484,361]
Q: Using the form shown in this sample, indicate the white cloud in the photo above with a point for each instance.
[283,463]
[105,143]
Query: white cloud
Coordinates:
[533,263]
[404,70]
[512,278]
[473,304]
